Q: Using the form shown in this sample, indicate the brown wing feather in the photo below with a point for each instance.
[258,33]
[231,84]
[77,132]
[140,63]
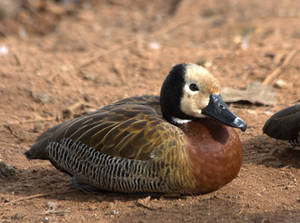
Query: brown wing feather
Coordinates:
[132,128]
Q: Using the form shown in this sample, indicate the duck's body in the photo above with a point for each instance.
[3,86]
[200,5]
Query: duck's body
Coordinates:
[285,125]
[130,146]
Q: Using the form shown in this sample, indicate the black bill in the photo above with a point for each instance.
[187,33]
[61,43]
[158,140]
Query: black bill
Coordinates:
[218,109]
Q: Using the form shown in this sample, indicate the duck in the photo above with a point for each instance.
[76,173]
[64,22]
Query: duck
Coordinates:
[285,125]
[182,141]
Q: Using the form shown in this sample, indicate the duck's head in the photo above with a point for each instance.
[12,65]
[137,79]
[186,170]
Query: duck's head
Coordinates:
[190,92]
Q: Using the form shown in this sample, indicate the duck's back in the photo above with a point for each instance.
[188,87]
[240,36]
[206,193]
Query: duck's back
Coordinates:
[126,146]
[284,124]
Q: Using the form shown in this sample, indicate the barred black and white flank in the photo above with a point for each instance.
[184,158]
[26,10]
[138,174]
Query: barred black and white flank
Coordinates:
[105,171]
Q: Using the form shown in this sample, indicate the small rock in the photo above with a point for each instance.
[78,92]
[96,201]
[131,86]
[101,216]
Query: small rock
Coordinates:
[278,58]
[37,128]
[208,64]
[41,98]
[22,32]
[281,84]
[145,200]
[3,50]
[218,22]
[268,113]
[6,170]
[154,45]
[110,205]
[18,216]
[51,205]
[88,75]
[252,111]
[113,212]
[46,220]
[237,39]
[245,43]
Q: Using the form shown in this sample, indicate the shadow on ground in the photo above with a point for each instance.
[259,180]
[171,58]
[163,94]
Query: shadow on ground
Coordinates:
[263,150]
[56,185]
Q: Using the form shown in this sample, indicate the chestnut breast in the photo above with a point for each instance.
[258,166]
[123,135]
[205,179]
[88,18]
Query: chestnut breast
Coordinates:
[215,152]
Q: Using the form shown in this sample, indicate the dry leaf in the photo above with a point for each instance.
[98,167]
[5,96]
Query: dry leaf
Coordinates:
[255,93]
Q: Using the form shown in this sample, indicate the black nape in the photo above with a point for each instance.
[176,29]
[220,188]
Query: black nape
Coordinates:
[172,92]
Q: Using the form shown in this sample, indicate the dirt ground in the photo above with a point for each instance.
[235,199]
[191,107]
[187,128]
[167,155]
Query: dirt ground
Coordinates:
[58,61]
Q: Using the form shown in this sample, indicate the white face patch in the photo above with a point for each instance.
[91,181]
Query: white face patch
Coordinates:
[196,98]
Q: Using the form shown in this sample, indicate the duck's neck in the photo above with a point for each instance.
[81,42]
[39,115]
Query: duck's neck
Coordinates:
[171,94]
[170,108]
[174,116]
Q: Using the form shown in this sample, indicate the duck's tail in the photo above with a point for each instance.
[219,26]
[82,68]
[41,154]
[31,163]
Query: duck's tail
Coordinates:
[37,151]
[39,148]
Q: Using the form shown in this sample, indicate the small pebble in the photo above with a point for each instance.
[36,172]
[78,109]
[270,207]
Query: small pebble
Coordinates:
[154,45]
[51,205]
[41,97]
[145,200]
[18,216]
[6,170]
[113,212]
[281,84]
[3,50]
[208,64]
[37,128]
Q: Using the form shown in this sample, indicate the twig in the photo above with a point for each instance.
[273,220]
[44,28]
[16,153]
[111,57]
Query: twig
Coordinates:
[78,105]
[8,124]
[164,29]
[11,131]
[18,62]
[30,121]
[145,206]
[143,203]
[269,79]
[70,111]
[74,106]
[9,144]
[58,212]
[40,195]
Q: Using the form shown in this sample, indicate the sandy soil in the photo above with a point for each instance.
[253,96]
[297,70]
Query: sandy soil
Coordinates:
[57,62]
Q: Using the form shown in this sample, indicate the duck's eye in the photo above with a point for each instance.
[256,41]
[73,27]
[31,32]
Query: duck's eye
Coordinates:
[193,87]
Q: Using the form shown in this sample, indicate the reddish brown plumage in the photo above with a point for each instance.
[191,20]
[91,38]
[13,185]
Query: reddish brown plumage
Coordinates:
[215,151]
